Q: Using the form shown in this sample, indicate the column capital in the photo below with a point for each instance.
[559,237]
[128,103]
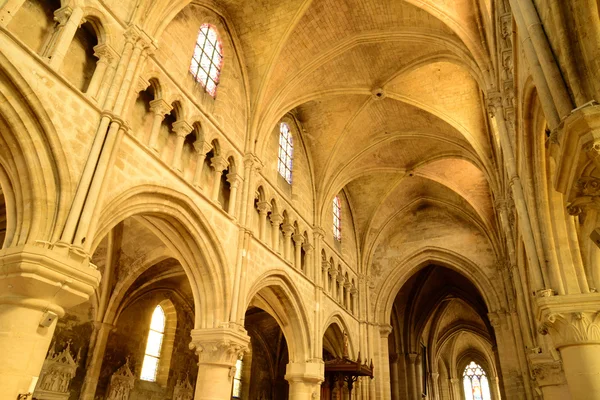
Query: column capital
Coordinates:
[308,372]
[570,319]
[234,179]
[251,160]
[385,330]
[298,238]
[219,163]
[307,246]
[62,14]
[263,207]
[38,277]
[276,219]
[160,107]
[219,346]
[318,231]
[412,357]
[105,53]
[202,147]
[288,229]
[182,128]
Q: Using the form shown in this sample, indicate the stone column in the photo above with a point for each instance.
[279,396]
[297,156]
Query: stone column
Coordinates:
[340,288]
[263,210]
[234,182]
[298,240]
[308,254]
[92,371]
[218,350]
[202,148]
[106,56]
[435,385]
[411,358]
[159,109]
[288,230]
[353,299]
[325,274]
[333,274]
[495,390]
[219,164]
[394,376]
[181,129]
[384,383]
[36,286]
[419,375]
[69,20]
[276,220]
[573,322]
[348,286]
[305,380]
[455,389]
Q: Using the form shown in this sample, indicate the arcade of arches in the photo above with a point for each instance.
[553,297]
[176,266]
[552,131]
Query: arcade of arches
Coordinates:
[216,199]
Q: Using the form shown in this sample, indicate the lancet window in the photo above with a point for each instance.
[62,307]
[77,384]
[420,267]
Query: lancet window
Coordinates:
[207,59]
[286,152]
[154,345]
[475,383]
[337,218]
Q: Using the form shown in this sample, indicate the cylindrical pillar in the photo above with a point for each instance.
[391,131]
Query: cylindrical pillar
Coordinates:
[219,164]
[581,364]
[288,230]
[105,57]
[411,358]
[181,129]
[234,182]
[159,109]
[305,380]
[70,19]
[308,250]
[298,240]
[276,220]
[263,210]
[394,376]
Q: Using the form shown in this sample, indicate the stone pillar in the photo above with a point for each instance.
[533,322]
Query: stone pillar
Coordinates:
[219,164]
[288,230]
[92,371]
[383,378]
[394,376]
[435,385]
[573,322]
[263,210]
[181,129]
[419,375]
[455,389]
[218,350]
[234,183]
[276,220]
[347,286]
[159,109]
[308,254]
[202,148]
[36,286]
[305,380]
[325,274]
[548,376]
[411,359]
[298,240]
[69,20]
[333,274]
[495,389]
[340,288]
[106,56]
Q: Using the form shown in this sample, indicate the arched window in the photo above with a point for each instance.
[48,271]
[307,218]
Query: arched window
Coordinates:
[476,383]
[153,345]
[286,152]
[207,59]
[337,218]
[237,380]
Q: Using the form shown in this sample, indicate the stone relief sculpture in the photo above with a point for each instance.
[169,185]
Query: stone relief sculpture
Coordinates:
[183,390]
[121,383]
[57,372]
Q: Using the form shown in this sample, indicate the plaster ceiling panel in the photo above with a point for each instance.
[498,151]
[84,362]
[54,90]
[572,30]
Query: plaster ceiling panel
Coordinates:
[449,90]
[365,65]
[464,178]
[323,120]
[328,23]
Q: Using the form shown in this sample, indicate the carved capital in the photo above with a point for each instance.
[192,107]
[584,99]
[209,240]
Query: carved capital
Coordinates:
[160,107]
[219,163]
[104,53]
[546,371]
[288,229]
[62,15]
[276,219]
[298,238]
[494,105]
[234,179]
[263,207]
[182,128]
[202,147]
[570,319]
[307,246]
[385,330]
[219,346]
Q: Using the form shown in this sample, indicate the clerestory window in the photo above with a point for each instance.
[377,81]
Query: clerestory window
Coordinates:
[207,59]
[286,152]
[475,383]
[337,218]
[153,345]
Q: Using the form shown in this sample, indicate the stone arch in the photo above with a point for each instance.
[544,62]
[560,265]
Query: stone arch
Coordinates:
[429,255]
[275,293]
[33,166]
[180,225]
[336,320]
[101,25]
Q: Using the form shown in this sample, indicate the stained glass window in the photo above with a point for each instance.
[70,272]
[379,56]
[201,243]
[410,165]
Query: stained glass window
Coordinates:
[207,59]
[337,218]
[153,345]
[476,383]
[286,152]
[237,380]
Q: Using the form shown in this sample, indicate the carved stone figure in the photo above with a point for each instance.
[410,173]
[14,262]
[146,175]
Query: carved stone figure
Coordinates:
[183,390]
[121,383]
[58,371]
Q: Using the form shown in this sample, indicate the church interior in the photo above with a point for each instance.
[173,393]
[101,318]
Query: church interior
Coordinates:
[299,199]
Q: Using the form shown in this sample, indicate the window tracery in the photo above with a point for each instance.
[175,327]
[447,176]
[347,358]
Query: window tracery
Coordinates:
[475,383]
[207,59]
[337,218]
[153,345]
[286,152]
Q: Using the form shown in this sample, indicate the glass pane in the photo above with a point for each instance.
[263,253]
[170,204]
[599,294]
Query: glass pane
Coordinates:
[154,343]
[149,368]
[485,389]
[194,67]
[238,369]
[202,77]
[158,320]
[212,35]
[468,389]
[237,388]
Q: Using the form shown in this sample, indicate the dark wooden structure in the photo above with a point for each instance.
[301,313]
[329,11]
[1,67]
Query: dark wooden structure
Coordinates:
[340,371]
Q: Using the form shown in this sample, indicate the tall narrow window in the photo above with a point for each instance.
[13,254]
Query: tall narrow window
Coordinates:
[237,380]
[286,152]
[207,59]
[476,383]
[153,345]
[337,218]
